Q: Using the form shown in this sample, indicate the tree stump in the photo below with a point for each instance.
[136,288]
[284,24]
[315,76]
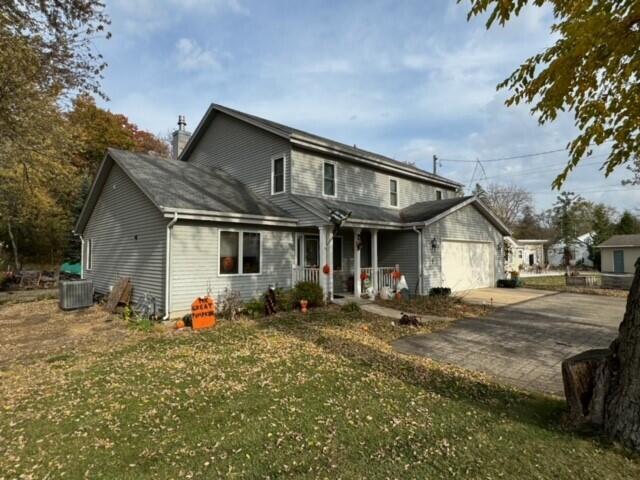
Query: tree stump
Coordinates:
[579,377]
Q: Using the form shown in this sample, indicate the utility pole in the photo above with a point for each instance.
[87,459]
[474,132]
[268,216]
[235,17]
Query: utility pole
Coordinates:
[435,164]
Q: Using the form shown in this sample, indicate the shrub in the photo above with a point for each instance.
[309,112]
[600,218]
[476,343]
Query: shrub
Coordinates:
[255,307]
[284,300]
[351,307]
[230,304]
[312,292]
[440,291]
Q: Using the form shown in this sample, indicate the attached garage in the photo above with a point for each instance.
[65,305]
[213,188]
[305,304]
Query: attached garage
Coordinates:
[467,265]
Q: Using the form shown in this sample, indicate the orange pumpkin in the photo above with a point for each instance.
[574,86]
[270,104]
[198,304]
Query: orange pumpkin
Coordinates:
[180,324]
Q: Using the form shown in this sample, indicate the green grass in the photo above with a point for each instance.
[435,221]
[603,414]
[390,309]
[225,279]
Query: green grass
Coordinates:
[555,281]
[316,396]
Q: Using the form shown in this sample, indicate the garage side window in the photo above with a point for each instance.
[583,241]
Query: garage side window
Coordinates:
[240,253]
[90,254]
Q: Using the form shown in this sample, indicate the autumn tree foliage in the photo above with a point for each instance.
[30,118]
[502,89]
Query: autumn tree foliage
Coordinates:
[591,70]
[51,142]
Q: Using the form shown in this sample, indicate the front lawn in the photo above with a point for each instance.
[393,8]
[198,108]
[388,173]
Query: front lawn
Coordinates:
[317,396]
[559,284]
[437,305]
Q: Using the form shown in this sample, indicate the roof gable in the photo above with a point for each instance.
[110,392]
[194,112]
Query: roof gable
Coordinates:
[632,240]
[315,142]
[178,186]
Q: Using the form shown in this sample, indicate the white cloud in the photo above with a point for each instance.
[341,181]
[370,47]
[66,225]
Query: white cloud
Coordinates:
[192,57]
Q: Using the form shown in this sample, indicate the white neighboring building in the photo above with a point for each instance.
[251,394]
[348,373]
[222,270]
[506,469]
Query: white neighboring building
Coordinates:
[524,254]
[579,252]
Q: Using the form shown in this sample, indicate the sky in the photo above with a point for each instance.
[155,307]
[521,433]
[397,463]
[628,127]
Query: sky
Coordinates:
[407,79]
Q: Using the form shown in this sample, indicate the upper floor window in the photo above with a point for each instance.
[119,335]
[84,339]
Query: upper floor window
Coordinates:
[329,184]
[438,194]
[277,175]
[239,252]
[393,192]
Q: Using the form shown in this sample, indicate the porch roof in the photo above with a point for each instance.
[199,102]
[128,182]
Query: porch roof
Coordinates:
[416,214]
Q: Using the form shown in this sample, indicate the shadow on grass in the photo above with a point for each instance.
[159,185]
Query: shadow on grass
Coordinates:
[529,408]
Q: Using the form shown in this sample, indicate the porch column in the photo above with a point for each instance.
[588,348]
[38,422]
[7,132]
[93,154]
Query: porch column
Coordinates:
[374,259]
[323,258]
[356,263]
[329,248]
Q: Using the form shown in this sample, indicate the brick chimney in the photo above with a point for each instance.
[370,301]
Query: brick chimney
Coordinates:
[180,138]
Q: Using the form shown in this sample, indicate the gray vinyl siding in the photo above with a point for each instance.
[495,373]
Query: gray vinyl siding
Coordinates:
[121,213]
[400,248]
[243,151]
[464,224]
[357,183]
[195,263]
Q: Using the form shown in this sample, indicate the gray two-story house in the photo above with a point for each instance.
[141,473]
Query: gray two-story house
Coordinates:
[247,203]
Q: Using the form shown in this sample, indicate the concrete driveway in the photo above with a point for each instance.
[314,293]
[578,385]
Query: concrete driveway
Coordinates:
[501,297]
[524,344]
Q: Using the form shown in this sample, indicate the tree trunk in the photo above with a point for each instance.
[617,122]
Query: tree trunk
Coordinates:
[602,387]
[622,401]
[14,246]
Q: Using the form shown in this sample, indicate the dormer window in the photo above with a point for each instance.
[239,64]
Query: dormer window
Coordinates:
[393,192]
[329,183]
[277,175]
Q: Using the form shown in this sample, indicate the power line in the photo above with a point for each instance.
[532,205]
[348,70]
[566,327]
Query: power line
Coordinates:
[596,190]
[514,157]
[539,169]
[502,159]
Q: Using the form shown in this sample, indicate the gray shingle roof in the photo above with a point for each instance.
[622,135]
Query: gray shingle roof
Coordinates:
[622,241]
[423,211]
[418,212]
[287,131]
[358,211]
[182,185]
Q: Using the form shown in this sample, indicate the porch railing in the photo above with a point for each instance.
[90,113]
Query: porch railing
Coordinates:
[384,276]
[304,274]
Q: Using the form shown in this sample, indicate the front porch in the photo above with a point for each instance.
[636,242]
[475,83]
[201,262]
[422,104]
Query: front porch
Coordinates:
[345,263]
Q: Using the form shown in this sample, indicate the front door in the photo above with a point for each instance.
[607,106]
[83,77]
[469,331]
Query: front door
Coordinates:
[618,261]
[532,259]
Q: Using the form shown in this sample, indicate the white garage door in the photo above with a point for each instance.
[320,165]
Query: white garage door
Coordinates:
[467,265]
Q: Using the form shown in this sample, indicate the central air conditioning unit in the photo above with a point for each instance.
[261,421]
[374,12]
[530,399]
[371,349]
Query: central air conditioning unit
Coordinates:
[76,294]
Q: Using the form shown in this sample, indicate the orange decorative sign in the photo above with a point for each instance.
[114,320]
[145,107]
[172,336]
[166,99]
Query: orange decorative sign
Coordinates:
[203,313]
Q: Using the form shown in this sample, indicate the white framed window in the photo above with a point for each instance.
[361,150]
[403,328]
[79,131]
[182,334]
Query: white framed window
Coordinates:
[393,192]
[239,252]
[277,175]
[329,187]
[89,244]
[438,194]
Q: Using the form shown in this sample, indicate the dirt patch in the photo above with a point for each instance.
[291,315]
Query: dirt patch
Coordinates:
[40,331]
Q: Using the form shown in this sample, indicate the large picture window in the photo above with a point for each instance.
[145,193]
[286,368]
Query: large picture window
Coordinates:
[329,186]
[277,175]
[239,253]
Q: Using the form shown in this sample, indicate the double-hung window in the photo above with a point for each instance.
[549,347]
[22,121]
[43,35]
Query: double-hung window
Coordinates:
[277,175]
[393,192]
[329,177]
[239,253]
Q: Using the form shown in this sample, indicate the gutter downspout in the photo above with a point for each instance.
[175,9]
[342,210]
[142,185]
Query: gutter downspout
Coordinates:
[420,262]
[167,271]
[81,257]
